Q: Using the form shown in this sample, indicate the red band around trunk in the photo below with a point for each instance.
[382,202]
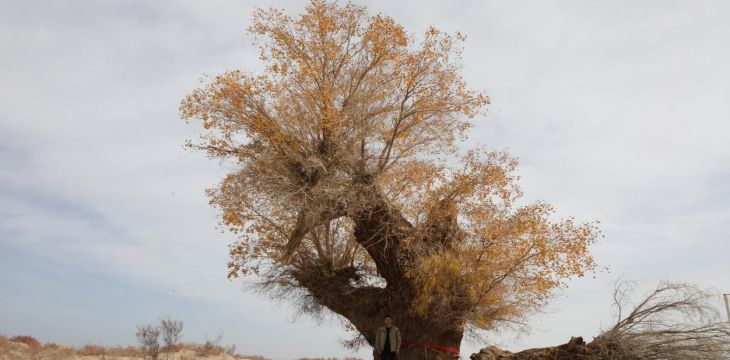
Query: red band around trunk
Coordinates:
[447,349]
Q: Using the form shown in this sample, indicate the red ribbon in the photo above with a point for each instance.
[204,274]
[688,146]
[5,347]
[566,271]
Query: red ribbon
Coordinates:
[435,347]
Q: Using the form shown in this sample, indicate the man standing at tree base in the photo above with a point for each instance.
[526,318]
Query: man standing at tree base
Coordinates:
[387,340]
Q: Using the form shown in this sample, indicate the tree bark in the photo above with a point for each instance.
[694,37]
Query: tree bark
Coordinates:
[381,231]
[416,333]
[575,349]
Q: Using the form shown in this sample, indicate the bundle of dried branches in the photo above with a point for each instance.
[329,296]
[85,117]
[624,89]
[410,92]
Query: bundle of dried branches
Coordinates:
[675,321]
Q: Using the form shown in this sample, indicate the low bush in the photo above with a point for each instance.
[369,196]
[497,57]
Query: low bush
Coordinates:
[27,340]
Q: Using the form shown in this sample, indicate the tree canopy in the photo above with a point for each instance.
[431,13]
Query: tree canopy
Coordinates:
[347,166]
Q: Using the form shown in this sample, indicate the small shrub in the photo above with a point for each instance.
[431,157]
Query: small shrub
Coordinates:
[171,333]
[27,340]
[211,346]
[148,337]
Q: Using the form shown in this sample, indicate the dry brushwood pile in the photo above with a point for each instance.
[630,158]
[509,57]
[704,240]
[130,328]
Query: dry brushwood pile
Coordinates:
[674,322]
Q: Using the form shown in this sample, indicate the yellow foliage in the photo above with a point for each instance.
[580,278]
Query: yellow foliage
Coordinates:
[352,105]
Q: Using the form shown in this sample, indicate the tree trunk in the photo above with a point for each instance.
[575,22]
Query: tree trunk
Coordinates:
[366,307]
[380,231]
[418,335]
[425,335]
[575,349]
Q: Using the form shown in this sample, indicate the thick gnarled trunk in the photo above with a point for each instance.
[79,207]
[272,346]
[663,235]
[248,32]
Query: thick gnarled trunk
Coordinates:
[575,349]
[365,308]
[381,231]
[418,334]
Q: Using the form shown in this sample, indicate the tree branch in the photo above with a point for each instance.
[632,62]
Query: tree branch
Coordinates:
[341,290]
[380,230]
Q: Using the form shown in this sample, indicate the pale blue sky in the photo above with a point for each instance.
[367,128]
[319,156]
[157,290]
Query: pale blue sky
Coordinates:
[618,111]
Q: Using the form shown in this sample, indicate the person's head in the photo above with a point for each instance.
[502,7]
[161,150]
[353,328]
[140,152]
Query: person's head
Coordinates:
[387,320]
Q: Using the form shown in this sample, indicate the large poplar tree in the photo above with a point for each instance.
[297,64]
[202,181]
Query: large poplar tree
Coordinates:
[348,191]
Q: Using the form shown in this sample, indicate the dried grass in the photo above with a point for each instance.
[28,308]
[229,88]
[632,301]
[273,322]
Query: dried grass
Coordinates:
[27,340]
[28,348]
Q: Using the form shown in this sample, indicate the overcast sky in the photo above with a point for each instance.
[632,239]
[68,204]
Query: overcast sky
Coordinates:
[618,110]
